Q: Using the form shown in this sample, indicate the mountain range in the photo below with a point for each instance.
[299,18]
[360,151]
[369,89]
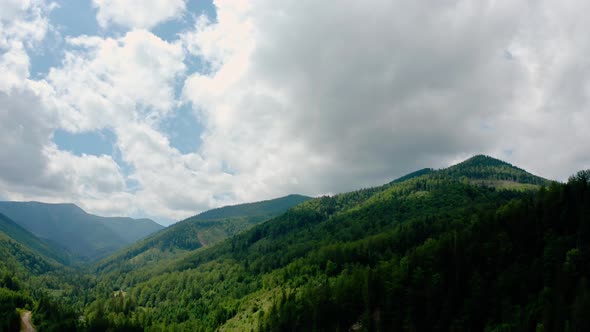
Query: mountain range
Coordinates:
[80,235]
[479,246]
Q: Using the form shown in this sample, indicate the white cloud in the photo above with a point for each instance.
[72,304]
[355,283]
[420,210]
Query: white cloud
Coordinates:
[87,174]
[172,184]
[22,24]
[547,128]
[14,66]
[108,82]
[143,14]
[24,130]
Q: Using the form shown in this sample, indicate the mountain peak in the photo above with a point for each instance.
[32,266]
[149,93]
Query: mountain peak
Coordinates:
[485,168]
[484,160]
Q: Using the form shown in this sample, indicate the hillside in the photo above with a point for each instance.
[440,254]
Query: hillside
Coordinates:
[23,257]
[24,253]
[69,227]
[413,254]
[202,230]
[17,233]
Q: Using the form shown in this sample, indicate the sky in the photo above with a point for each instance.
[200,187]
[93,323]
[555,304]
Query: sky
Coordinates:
[166,108]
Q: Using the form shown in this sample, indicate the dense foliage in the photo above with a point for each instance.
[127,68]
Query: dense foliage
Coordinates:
[26,274]
[11,297]
[521,267]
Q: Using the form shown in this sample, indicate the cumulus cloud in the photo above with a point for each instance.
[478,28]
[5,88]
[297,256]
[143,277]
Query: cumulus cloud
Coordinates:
[172,184]
[33,167]
[126,85]
[22,24]
[137,13]
[108,81]
[23,133]
[327,98]
[322,98]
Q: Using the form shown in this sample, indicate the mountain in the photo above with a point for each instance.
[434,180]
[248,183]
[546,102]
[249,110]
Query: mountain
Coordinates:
[202,230]
[449,249]
[69,227]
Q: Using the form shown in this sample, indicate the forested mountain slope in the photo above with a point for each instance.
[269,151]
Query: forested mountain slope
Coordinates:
[17,233]
[82,234]
[434,251]
[23,257]
[202,230]
[22,252]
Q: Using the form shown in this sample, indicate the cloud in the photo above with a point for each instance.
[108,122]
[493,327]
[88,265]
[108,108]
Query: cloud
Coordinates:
[143,14]
[23,132]
[22,24]
[321,98]
[127,84]
[109,81]
[172,184]
[102,83]
[31,166]
[296,97]
[546,129]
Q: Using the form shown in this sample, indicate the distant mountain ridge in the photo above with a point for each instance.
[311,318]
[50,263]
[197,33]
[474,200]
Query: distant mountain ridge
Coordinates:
[69,227]
[261,208]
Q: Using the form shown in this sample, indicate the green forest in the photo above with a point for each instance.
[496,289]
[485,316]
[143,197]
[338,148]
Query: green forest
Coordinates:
[479,246]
